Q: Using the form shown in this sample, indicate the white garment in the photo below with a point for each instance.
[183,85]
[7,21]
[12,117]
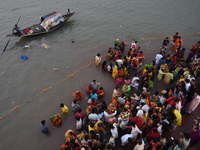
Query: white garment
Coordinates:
[158,57]
[133,44]
[160,129]
[135,132]
[109,115]
[109,68]
[162,99]
[135,86]
[114,131]
[79,124]
[93,118]
[145,108]
[121,100]
[124,139]
[187,86]
[119,62]
[140,113]
[142,101]
[139,147]
[190,78]
[124,123]
[134,79]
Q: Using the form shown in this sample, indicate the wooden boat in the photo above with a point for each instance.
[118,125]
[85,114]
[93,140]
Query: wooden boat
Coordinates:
[38,29]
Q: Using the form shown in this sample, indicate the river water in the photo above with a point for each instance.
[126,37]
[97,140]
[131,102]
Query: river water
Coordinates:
[93,28]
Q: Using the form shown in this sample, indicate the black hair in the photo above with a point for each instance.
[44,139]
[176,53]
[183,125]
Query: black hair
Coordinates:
[101,139]
[156,92]
[187,135]
[130,140]
[79,110]
[111,126]
[133,124]
[61,105]
[78,118]
[155,139]
[139,141]
[43,122]
[91,125]
[155,131]
[90,143]
[86,137]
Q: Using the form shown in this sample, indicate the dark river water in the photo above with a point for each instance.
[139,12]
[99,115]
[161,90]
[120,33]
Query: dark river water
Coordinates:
[94,28]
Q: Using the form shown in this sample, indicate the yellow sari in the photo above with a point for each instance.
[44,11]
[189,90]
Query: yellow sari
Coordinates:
[115,73]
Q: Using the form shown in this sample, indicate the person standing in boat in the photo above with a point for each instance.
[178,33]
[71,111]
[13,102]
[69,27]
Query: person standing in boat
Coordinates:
[18,31]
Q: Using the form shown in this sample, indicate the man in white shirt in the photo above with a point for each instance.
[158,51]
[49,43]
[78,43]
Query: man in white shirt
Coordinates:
[109,115]
[158,57]
[187,84]
[113,130]
[93,117]
[119,62]
[140,112]
[121,100]
[126,139]
[95,85]
[136,85]
[145,107]
[134,79]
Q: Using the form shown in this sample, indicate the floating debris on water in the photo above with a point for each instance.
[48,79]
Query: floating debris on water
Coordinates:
[45,46]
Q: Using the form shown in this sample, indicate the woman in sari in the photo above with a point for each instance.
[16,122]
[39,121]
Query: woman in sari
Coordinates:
[148,100]
[115,72]
[175,75]
[70,135]
[125,70]
[140,123]
[57,121]
[109,55]
[160,74]
[122,46]
[104,66]
[100,92]
[97,59]
[116,92]
[193,105]
[127,82]
[80,114]
[121,72]
[119,81]
[168,77]
[195,134]
[89,89]
[77,95]
[117,53]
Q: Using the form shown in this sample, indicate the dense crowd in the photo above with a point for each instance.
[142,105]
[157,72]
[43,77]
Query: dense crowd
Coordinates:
[136,116]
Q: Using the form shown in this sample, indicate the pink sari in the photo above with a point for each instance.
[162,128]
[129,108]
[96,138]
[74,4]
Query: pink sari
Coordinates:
[193,105]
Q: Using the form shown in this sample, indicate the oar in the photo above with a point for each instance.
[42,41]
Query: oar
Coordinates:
[9,39]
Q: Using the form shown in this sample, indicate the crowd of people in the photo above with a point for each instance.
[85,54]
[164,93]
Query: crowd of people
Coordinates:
[136,117]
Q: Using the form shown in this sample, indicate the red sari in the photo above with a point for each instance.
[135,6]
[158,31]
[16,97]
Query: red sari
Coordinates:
[100,93]
[141,124]
[89,89]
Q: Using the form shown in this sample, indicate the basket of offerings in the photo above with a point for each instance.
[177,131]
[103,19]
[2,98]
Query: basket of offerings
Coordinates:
[82,135]
[124,115]
[52,117]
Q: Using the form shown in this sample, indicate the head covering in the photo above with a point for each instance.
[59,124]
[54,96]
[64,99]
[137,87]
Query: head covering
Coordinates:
[138,107]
